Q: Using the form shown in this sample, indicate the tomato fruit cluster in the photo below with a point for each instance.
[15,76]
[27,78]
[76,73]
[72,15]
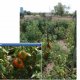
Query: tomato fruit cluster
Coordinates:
[18,62]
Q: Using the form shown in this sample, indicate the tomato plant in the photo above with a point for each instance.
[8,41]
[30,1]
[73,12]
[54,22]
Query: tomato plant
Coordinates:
[58,37]
[20,62]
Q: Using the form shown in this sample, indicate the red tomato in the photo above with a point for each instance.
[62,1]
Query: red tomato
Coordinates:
[18,63]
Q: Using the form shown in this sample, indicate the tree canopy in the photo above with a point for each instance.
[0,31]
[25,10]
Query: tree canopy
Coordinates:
[60,9]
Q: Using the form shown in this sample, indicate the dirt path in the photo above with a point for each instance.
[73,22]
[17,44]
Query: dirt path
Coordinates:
[63,45]
[48,68]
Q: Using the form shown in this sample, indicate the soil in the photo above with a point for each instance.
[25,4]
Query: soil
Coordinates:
[48,68]
[63,45]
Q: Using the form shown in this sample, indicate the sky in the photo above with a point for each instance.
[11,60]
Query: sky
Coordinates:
[46,5]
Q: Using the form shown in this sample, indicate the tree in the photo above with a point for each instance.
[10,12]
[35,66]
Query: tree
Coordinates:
[29,13]
[60,9]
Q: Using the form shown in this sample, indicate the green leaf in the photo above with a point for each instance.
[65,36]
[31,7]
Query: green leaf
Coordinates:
[2,68]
